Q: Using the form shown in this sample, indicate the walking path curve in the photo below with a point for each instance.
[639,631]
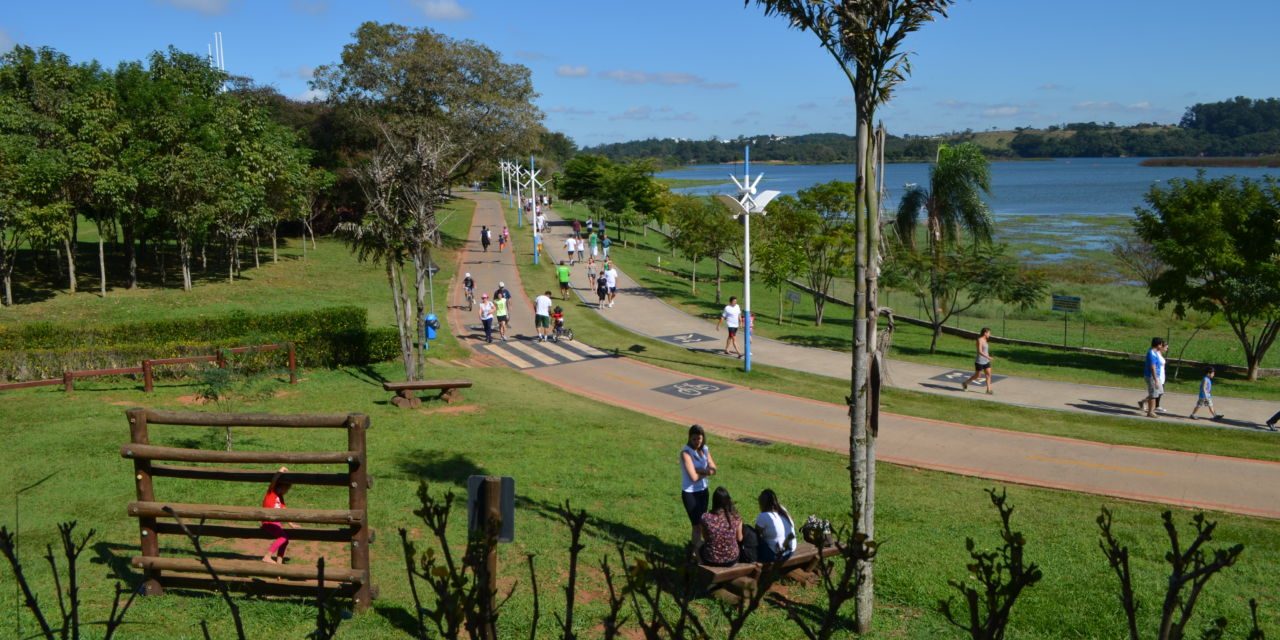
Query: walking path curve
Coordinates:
[640,311]
[1174,478]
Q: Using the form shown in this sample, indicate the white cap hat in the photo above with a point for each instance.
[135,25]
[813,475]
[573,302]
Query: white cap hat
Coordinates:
[502,284]
[468,274]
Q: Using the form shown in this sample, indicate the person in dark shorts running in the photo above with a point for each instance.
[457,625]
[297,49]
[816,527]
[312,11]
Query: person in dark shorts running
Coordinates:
[981,363]
[602,290]
[485,238]
[732,318]
[563,274]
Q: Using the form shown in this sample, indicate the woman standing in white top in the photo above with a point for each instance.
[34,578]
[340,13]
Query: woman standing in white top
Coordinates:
[777,529]
[696,466]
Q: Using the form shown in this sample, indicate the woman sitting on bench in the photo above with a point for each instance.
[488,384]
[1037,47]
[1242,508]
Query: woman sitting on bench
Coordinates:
[777,529]
[721,531]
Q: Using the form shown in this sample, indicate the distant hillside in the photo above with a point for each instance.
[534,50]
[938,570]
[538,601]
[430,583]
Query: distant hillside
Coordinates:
[1241,127]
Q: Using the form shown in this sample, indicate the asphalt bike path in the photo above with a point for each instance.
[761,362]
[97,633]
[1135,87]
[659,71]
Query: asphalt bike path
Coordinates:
[638,310]
[1152,475]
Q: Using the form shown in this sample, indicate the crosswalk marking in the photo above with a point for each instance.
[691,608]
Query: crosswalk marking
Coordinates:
[526,354]
[511,358]
[532,353]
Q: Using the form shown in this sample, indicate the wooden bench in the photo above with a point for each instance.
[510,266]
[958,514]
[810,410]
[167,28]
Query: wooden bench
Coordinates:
[406,398]
[745,574]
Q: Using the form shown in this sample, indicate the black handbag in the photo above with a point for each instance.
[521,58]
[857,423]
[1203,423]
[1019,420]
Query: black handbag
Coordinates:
[749,549]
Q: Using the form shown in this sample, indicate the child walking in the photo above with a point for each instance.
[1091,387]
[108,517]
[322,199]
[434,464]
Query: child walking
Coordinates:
[1206,396]
[275,500]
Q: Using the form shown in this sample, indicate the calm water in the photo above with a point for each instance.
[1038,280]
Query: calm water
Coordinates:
[1064,186]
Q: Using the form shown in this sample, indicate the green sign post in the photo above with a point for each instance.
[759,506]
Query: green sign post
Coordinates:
[1067,305]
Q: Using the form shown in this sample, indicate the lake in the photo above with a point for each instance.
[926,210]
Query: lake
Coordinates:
[1088,186]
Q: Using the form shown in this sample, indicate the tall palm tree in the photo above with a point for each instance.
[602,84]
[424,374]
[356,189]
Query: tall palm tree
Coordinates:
[952,207]
[866,39]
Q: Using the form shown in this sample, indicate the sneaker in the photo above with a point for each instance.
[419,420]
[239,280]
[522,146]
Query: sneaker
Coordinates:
[964,386]
[1191,417]
[610,305]
[1218,416]
[1161,410]
[1142,404]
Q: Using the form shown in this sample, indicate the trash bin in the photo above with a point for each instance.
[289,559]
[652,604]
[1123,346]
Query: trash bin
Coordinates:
[432,325]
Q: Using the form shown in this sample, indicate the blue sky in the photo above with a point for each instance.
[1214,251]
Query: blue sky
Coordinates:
[614,70]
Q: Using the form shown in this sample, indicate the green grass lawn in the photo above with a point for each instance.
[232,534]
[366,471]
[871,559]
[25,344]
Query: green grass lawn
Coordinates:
[329,275]
[597,331]
[1118,317]
[559,446]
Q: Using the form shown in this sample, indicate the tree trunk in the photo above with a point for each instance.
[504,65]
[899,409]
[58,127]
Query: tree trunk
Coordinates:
[102,263]
[68,243]
[717,279]
[232,259]
[858,435]
[1255,362]
[406,350]
[694,270]
[256,263]
[184,256]
[421,262]
[131,256]
[819,309]
[8,289]
[275,249]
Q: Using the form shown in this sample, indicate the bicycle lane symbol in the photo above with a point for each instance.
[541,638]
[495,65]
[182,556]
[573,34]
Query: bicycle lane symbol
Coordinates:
[690,389]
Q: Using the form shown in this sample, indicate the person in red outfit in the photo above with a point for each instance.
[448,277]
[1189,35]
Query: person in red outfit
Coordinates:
[275,500]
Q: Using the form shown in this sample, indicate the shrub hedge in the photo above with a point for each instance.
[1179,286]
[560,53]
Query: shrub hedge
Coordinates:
[323,337]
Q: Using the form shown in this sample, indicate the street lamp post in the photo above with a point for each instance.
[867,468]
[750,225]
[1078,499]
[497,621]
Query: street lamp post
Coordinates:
[751,202]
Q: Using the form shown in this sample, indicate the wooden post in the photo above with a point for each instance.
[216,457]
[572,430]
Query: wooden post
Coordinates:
[150,544]
[358,500]
[293,365]
[146,376]
[68,382]
[491,493]
[220,359]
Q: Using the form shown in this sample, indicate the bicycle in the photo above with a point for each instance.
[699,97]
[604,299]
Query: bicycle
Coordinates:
[471,297]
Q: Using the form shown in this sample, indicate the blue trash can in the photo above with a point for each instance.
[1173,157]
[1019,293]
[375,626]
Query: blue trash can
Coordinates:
[432,325]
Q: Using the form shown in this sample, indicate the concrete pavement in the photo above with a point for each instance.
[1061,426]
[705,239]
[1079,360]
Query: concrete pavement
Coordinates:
[640,311]
[1174,478]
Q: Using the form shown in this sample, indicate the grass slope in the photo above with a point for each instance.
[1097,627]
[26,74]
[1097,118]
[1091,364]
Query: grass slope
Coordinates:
[559,446]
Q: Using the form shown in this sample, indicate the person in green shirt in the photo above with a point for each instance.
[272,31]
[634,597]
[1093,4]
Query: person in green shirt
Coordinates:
[562,272]
[500,307]
[595,244]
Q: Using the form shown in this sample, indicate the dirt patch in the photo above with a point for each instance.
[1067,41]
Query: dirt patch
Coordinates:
[299,552]
[284,393]
[450,409]
[192,400]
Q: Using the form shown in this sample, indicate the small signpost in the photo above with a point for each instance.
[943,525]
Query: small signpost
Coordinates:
[491,498]
[1067,305]
[793,297]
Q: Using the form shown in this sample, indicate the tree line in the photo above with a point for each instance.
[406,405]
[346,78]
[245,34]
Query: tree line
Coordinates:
[1237,127]
[151,153]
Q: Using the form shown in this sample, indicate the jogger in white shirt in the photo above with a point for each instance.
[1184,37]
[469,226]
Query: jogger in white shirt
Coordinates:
[732,318]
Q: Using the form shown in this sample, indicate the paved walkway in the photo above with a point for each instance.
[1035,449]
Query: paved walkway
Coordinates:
[640,311]
[1190,480]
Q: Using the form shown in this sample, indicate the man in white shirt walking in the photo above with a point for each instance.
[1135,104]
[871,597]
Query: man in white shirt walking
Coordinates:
[542,315]
[732,318]
[611,281]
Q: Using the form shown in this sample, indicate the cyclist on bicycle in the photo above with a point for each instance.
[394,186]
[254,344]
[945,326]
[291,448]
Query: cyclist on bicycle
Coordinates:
[469,287]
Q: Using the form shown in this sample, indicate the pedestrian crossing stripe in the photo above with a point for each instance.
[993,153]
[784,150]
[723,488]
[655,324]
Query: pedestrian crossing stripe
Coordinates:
[523,354]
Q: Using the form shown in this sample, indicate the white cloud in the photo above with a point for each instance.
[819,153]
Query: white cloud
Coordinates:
[1002,111]
[303,72]
[571,111]
[311,7]
[634,113]
[6,41]
[531,56]
[572,71]
[1110,106]
[442,9]
[207,7]
[312,95]
[627,76]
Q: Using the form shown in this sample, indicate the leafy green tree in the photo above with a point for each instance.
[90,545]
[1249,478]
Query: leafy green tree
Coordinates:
[776,258]
[953,210]
[816,224]
[701,227]
[584,177]
[1219,240]
[866,39]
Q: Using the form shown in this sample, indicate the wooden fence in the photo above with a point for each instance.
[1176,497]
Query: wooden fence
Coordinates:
[157,517]
[147,369]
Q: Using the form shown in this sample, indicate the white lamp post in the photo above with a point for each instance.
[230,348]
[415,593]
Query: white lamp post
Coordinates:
[751,202]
